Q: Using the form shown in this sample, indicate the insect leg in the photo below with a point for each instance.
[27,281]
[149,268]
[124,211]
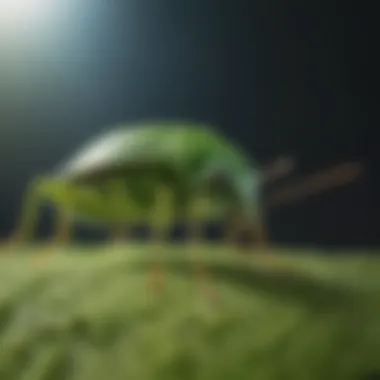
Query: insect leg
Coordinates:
[118,233]
[196,234]
[260,233]
[160,219]
[29,214]
[63,226]
[233,228]
[118,193]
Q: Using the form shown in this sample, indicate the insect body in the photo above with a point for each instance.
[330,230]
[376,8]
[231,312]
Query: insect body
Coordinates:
[161,171]
[153,171]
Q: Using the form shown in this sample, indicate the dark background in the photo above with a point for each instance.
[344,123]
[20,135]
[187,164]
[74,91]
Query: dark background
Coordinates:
[278,77]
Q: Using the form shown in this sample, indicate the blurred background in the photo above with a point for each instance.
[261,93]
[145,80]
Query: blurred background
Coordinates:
[290,79]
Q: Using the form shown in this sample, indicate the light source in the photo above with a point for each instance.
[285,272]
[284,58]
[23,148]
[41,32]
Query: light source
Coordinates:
[20,14]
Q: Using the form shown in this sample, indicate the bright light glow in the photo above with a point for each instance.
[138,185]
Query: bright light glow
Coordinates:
[20,14]
[95,153]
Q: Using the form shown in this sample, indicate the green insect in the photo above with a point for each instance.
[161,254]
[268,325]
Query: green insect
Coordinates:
[155,172]
[152,171]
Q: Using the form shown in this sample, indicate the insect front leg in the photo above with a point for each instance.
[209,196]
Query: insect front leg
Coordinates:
[29,214]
